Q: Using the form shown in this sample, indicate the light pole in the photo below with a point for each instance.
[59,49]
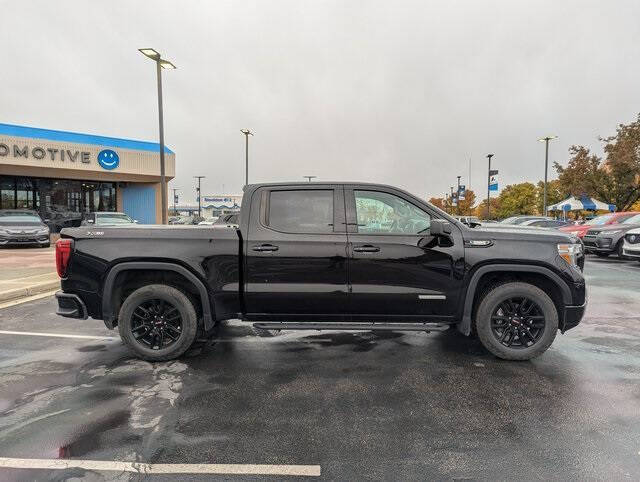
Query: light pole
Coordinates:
[175,199]
[489,156]
[310,177]
[199,178]
[160,64]
[458,191]
[546,168]
[246,133]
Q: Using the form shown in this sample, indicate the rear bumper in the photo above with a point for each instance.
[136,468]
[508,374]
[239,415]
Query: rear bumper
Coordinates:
[71,306]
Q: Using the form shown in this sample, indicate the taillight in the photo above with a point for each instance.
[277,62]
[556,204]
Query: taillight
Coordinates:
[63,253]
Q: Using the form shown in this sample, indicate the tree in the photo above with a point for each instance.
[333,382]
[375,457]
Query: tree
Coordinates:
[517,199]
[579,177]
[466,207]
[481,209]
[555,194]
[616,180]
[439,203]
[622,166]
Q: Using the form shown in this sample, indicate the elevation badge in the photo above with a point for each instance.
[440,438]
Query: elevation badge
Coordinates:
[108,159]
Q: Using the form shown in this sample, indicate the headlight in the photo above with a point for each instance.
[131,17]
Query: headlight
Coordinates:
[613,232]
[570,252]
[44,231]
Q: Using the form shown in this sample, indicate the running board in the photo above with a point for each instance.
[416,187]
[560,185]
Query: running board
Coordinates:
[285,325]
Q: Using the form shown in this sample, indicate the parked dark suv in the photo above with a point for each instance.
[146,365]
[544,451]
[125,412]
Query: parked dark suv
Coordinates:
[606,240]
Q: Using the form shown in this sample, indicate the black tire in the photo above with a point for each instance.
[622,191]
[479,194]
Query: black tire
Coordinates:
[157,295]
[265,333]
[502,324]
[600,254]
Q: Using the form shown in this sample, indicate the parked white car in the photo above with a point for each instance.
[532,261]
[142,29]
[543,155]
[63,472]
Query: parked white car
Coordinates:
[208,221]
[631,246]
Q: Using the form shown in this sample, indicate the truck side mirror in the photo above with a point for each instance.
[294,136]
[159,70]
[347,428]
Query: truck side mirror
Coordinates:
[440,227]
[438,235]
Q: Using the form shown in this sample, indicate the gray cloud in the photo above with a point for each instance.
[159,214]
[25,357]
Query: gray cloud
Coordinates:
[394,92]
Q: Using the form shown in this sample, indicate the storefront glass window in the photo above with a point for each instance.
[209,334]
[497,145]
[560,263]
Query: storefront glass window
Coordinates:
[60,202]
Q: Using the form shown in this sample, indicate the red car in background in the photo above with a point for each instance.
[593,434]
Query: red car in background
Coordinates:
[602,220]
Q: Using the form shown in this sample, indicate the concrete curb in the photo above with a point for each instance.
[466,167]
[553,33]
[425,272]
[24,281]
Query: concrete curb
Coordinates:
[34,289]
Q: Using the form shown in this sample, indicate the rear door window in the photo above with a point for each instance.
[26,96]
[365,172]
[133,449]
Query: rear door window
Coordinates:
[301,211]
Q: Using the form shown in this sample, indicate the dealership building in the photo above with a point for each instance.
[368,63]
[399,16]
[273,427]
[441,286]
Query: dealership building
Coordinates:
[64,175]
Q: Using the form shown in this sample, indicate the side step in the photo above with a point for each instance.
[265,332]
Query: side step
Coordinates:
[285,325]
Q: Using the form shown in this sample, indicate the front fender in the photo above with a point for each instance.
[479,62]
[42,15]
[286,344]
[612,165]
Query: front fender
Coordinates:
[465,324]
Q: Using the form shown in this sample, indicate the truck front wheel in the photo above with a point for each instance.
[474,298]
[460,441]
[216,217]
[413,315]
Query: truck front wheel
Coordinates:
[158,322]
[516,321]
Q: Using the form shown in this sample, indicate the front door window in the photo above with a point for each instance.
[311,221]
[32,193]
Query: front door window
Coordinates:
[383,213]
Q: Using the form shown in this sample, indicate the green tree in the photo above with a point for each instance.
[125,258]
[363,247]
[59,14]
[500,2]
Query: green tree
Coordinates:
[517,199]
[554,194]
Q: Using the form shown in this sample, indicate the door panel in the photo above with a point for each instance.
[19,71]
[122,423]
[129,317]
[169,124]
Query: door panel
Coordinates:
[300,268]
[389,274]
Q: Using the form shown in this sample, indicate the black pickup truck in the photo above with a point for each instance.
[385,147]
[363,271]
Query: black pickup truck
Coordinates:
[334,256]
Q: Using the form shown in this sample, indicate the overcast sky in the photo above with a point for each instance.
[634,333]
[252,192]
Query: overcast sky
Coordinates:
[397,92]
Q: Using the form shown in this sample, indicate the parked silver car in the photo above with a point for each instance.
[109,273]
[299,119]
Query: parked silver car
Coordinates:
[23,227]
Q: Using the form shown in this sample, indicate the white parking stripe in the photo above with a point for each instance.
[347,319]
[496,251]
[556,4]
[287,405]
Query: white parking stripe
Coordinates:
[57,335]
[142,468]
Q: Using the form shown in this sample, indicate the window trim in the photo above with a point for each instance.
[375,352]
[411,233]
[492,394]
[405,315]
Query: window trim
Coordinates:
[337,200]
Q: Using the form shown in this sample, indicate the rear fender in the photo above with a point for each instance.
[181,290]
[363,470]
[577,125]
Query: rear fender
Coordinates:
[107,305]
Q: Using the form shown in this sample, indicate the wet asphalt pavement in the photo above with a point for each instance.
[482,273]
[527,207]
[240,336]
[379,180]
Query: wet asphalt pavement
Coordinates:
[361,405]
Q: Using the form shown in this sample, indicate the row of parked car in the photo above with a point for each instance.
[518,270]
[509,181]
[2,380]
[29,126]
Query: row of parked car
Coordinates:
[613,233]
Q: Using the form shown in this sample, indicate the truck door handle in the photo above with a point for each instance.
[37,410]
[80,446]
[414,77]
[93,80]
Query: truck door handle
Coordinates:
[265,247]
[367,248]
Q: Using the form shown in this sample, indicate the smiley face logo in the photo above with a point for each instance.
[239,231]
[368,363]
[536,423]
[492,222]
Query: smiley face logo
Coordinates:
[108,159]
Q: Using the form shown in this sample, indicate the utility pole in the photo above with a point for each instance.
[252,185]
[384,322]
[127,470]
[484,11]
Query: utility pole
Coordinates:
[175,197]
[489,156]
[199,178]
[458,191]
[246,133]
[310,177]
[546,169]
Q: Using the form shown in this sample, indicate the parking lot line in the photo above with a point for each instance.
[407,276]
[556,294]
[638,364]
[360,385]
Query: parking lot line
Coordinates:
[56,335]
[142,468]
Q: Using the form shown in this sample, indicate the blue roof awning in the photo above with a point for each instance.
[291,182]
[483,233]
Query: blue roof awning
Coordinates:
[63,136]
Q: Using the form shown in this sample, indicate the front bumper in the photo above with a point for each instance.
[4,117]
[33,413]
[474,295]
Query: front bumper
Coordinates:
[71,306]
[24,240]
[631,252]
[572,316]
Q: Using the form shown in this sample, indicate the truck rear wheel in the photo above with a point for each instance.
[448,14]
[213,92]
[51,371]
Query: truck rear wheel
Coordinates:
[158,322]
[516,321]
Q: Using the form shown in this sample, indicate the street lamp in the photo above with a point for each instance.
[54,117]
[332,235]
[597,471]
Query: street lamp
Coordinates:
[246,133]
[489,156]
[309,177]
[199,178]
[546,168]
[458,191]
[160,64]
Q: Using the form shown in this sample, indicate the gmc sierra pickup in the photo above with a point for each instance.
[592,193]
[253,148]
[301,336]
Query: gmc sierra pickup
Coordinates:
[334,256]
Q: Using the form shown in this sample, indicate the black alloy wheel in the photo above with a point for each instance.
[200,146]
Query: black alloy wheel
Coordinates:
[156,324]
[518,323]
